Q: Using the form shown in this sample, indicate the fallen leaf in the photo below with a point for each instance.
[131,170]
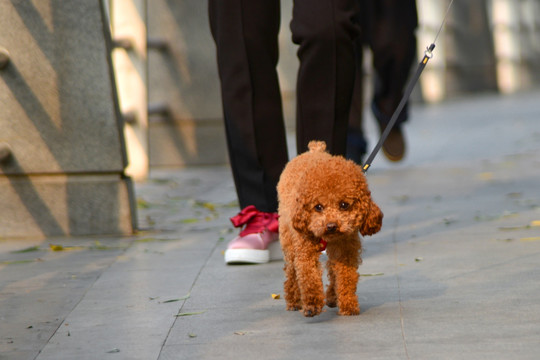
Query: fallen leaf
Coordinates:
[175,300]
[232,204]
[192,335]
[187,296]
[513,228]
[535,223]
[534,238]
[449,221]
[99,246]
[209,206]
[240,333]
[276,296]
[65,248]
[142,204]
[26,250]
[486,176]
[372,274]
[112,351]
[170,301]
[506,240]
[190,313]
[189,221]
[418,259]
[56,247]
[162,181]
[509,214]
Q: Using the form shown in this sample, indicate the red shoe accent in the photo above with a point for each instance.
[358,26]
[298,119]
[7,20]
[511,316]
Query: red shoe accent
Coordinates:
[256,221]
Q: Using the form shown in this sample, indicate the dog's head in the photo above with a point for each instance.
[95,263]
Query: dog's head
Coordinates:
[335,200]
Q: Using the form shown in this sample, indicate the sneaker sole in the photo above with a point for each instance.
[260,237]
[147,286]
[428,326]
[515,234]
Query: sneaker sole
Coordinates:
[246,256]
[251,256]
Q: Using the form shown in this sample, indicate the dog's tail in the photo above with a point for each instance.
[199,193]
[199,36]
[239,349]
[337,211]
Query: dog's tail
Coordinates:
[315,145]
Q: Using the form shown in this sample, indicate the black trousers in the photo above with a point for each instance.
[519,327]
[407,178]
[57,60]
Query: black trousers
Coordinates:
[388,29]
[246,37]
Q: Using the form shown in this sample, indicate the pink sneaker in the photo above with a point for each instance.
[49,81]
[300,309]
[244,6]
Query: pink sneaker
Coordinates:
[258,241]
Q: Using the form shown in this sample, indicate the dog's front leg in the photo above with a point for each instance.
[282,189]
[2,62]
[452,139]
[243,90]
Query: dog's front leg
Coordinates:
[292,293]
[346,281]
[331,296]
[344,261]
[309,275]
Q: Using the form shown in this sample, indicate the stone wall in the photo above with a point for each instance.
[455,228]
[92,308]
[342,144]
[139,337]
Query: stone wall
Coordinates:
[62,172]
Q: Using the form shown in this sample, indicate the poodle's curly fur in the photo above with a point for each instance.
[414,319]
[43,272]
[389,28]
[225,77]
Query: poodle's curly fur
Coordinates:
[323,197]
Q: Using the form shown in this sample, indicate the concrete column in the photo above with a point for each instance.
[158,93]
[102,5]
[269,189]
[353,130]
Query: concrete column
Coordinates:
[287,66]
[62,154]
[185,116]
[464,57]
[516,34]
[470,54]
[430,16]
[128,24]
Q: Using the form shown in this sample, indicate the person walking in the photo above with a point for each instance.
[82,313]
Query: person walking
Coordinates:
[388,30]
[246,38]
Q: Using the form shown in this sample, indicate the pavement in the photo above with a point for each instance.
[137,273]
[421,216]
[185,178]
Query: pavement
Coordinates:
[453,274]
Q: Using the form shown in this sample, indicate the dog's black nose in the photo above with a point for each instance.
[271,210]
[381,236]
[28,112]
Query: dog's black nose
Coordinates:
[331,227]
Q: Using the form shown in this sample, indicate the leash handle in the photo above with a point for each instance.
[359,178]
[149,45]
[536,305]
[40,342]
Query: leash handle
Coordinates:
[428,54]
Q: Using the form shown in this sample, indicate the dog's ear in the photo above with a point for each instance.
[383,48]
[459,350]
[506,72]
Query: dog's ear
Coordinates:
[370,216]
[372,219]
[300,217]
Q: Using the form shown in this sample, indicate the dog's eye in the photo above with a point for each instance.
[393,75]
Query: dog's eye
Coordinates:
[319,208]
[344,205]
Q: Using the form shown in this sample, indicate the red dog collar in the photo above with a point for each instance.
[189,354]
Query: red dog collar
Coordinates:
[322,245]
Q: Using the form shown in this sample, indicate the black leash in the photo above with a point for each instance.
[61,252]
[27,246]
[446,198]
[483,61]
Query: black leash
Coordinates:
[428,54]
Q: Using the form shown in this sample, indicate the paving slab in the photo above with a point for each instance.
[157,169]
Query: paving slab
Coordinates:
[452,274]
[40,287]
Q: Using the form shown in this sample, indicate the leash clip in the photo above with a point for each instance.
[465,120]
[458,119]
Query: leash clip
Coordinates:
[429,51]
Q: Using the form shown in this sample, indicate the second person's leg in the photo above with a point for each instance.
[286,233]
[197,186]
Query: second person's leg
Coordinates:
[325,31]
[246,37]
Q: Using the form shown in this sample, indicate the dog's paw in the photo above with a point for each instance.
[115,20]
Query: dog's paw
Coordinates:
[331,303]
[310,311]
[349,311]
[294,307]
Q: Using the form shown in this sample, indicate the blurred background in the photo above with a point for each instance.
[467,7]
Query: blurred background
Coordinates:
[95,94]
[486,46]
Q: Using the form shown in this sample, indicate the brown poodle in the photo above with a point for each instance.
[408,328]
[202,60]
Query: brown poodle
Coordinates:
[324,201]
